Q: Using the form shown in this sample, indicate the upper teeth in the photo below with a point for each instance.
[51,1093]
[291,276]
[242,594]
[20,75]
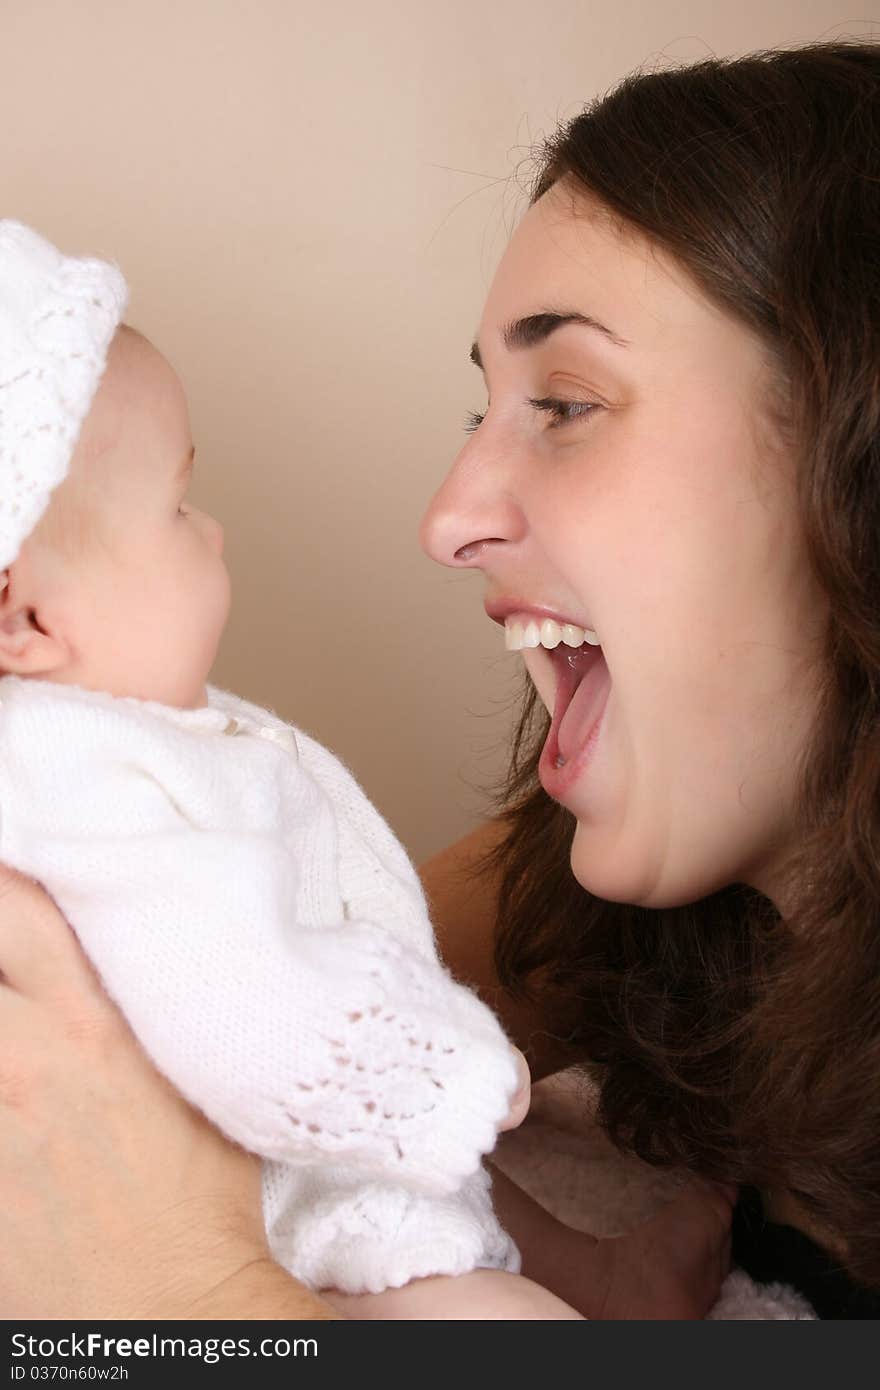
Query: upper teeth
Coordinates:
[528,632]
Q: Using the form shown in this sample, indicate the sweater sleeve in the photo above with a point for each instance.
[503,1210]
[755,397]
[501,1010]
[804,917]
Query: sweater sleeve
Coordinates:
[335,1231]
[302,1030]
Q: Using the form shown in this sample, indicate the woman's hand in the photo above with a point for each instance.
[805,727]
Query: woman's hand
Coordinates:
[116,1199]
[670,1267]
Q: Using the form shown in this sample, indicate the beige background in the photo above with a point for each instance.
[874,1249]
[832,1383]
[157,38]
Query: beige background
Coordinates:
[308,201]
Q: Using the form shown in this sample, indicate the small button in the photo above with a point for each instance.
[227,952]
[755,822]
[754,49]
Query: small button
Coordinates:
[284,738]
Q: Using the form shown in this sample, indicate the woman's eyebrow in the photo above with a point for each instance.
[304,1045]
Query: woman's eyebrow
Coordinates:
[535,328]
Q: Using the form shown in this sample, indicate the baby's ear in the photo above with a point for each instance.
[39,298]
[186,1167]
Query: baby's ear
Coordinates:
[26,647]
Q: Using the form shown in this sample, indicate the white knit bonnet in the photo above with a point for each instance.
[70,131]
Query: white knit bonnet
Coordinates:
[58,315]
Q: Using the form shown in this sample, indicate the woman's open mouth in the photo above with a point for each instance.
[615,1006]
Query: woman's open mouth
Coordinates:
[568,667]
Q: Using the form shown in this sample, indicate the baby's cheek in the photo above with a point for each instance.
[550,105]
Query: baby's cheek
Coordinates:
[218,602]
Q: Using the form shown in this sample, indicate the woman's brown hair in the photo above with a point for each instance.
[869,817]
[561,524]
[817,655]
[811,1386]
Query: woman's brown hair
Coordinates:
[725,1039]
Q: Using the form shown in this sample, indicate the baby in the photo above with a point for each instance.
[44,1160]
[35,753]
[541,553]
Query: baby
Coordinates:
[245,905]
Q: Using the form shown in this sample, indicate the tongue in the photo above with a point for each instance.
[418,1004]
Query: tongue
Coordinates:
[579,701]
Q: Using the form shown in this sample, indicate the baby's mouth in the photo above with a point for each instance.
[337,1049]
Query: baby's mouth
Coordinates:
[568,668]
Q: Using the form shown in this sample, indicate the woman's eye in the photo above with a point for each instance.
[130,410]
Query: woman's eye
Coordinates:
[562,412]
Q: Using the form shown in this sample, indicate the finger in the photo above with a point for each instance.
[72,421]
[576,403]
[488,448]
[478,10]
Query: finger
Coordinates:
[522,1096]
[23,1045]
[39,954]
[523,1072]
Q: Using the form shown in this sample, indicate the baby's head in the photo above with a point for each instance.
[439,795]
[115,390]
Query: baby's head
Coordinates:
[121,585]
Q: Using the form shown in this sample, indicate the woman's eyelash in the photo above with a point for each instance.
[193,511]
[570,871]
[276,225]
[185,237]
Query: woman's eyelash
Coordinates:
[562,412]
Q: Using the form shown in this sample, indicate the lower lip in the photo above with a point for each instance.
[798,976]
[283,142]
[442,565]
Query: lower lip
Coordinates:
[559,781]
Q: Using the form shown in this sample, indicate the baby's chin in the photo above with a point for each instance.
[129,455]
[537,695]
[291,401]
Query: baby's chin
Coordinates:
[200,701]
[193,697]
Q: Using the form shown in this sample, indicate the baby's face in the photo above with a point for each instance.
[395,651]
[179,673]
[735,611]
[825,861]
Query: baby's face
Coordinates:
[150,592]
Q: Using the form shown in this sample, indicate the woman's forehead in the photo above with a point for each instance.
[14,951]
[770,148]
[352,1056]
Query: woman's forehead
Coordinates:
[569,255]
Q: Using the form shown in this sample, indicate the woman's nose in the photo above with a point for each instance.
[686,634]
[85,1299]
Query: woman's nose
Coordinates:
[473,514]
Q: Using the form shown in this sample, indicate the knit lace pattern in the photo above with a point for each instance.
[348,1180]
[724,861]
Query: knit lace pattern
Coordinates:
[58,315]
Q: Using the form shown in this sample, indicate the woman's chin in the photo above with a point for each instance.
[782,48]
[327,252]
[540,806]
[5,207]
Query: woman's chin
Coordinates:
[603,870]
[622,873]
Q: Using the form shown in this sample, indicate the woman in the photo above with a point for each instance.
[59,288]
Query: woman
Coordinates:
[675,490]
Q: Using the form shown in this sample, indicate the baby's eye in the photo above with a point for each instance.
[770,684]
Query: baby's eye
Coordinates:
[473,422]
[563,412]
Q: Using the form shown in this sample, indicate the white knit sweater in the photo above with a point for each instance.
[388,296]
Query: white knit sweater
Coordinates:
[267,938]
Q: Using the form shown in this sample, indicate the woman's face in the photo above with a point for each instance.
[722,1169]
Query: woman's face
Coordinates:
[626,480]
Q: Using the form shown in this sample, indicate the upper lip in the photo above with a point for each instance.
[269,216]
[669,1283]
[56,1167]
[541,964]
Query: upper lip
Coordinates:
[501,608]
